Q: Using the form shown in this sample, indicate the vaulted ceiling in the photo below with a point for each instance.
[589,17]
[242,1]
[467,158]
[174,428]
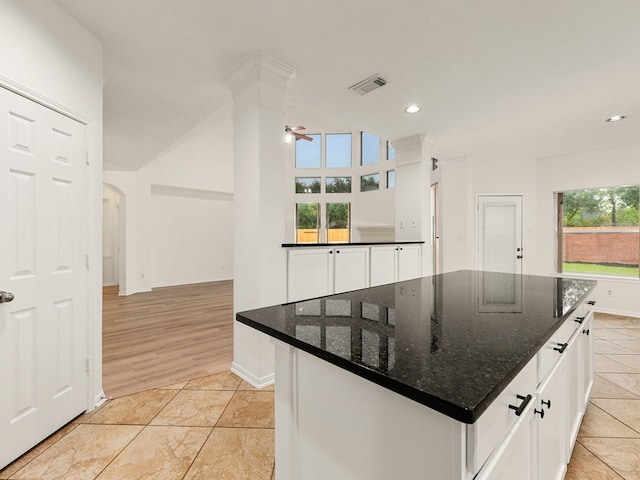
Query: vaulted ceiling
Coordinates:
[493,77]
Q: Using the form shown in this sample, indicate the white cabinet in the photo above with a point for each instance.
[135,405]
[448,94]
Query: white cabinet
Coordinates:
[351,269]
[551,423]
[515,457]
[586,358]
[316,272]
[395,263]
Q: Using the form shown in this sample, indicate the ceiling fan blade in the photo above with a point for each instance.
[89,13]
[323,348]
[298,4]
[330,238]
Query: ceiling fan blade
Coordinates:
[302,136]
[299,127]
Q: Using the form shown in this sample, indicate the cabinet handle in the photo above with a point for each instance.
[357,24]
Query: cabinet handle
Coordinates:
[580,319]
[539,412]
[330,252]
[591,302]
[337,251]
[563,347]
[586,332]
[547,403]
[523,405]
[400,248]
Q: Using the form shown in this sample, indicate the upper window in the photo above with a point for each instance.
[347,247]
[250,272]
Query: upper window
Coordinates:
[307,184]
[308,153]
[369,182]
[338,184]
[370,149]
[338,150]
[599,231]
[391,179]
[391,153]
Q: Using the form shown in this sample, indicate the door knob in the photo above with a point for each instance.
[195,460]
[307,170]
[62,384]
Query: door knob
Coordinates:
[6,297]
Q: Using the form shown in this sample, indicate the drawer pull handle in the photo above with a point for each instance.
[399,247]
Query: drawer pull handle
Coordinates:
[539,412]
[547,403]
[586,332]
[523,405]
[591,302]
[580,319]
[562,347]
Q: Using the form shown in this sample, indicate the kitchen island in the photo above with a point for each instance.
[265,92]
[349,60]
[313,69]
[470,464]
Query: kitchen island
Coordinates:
[457,376]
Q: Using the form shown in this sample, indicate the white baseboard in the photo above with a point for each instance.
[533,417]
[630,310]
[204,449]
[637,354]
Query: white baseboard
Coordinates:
[258,382]
[622,313]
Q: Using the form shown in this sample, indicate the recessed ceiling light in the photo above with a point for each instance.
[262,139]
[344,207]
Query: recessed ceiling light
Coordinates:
[412,109]
[616,118]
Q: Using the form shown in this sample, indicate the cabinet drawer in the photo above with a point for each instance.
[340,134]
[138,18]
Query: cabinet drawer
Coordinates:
[494,424]
[549,355]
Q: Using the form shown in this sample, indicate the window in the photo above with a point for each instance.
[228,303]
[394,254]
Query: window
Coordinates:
[338,222]
[369,182]
[599,231]
[307,184]
[391,179]
[391,153]
[370,149]
[338,184]
[307,223]
[308,153]
[338,150]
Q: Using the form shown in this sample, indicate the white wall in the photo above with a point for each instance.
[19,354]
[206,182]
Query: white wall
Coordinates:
[537,180]
[179,226]
[48,56]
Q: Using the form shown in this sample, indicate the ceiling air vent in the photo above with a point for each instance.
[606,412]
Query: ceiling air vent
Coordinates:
[368,84]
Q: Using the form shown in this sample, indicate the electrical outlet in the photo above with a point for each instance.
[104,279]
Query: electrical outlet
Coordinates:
[609,293]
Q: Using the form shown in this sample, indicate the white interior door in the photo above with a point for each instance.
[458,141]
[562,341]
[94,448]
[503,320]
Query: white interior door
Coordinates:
[43,330]
[500,233]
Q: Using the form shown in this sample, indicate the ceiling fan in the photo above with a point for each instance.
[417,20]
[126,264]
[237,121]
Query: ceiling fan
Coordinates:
[293,131]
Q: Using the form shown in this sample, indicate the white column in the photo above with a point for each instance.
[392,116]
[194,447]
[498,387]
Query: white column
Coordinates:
[413,194]
[258,86]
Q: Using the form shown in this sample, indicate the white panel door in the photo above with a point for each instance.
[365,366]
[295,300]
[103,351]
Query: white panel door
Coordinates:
[383,265]
[43,331]
[409,262]
[500,234]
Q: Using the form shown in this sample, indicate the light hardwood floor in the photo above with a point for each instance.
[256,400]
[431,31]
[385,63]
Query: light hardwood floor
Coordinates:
[168,335]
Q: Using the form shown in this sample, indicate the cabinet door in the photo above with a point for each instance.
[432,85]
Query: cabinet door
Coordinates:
[409,262]
[586,358]
[514,458]
[551,423]
[575,404]
[383,265]
[310,273]
[351,269]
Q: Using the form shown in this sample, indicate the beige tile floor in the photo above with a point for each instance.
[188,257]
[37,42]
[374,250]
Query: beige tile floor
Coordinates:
[216,427]
[219,427]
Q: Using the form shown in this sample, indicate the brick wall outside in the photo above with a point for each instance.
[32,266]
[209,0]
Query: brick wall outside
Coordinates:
[610,245]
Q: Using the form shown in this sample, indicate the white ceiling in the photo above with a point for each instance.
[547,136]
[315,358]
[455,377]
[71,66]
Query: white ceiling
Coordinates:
[493,77]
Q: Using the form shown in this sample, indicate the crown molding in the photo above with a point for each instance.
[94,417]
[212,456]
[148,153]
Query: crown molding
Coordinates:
[258,68]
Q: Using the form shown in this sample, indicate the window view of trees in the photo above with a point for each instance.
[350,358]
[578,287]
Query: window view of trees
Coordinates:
[338,184]
[338,222]
[307,222]
[307,184]
[600,231]
[369,182]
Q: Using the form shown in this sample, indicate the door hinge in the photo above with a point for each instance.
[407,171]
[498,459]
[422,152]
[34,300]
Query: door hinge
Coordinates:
[86,157]
[87,261]
[88,364]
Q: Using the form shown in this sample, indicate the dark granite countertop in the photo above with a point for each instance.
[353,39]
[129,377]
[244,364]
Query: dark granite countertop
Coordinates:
[451,342]
[346,244]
